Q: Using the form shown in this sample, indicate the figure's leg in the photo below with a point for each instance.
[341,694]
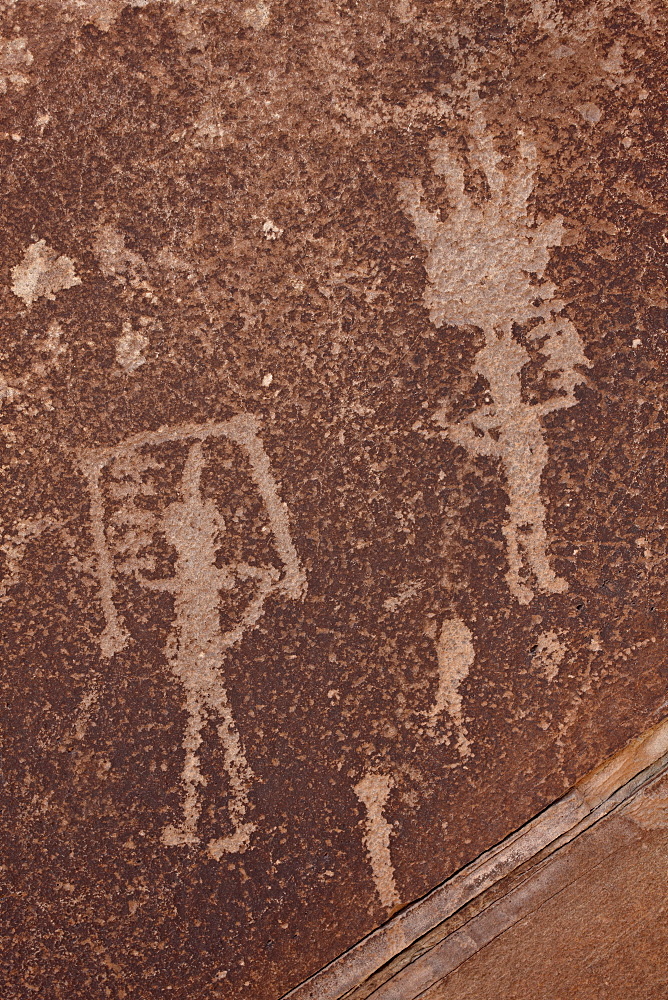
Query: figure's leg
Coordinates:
[536,543]
[238,772]
[185,832]
[518,589]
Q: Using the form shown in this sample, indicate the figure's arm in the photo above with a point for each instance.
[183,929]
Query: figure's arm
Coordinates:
[555,403]
[464,434]
[447,167]
[410,198]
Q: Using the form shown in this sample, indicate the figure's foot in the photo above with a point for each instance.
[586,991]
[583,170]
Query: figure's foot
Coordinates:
[521,591]
[557,585]
[235,843]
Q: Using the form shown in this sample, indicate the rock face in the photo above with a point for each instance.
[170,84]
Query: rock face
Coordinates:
[593,927]
[334,483]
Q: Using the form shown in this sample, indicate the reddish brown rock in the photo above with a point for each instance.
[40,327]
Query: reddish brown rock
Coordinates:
[334,533]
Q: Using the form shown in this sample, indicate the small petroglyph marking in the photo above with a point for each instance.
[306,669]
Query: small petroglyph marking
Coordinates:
[129,349]
[103,13]
[28,389]
[373,792]
[192,527]
[485,268]
[52,344]
[211,123]
[42,273]
[85,711]
[456,656]
[15,57]
[115,260]
[590,112]
[623,654]
[406,592]
[41,121]
[549,654]
[649,810]
[613,66]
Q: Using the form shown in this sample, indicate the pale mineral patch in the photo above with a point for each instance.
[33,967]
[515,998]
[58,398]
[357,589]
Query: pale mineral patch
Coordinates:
[257,16]
[42,273]
[15,57]
[271,230]
[590,112]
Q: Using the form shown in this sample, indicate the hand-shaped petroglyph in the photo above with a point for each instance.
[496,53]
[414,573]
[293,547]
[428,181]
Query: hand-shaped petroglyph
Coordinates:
[486,266]
[192,527]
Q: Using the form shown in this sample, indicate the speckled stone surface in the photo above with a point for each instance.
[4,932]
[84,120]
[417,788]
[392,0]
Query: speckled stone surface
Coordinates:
[334,475]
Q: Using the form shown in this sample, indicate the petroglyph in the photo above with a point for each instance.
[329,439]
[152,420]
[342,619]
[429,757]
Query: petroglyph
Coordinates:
[85,711]
[42,273]
[485,266]
[8,393]
[649,810]
[373,791]
[549,654]
[114,258]
[51,348]
[129,349]
[103,13]
[15,57]
[456,655]
[406,592]
[193,529]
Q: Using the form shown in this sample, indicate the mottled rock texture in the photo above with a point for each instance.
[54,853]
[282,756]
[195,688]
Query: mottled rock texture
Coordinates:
[334,479]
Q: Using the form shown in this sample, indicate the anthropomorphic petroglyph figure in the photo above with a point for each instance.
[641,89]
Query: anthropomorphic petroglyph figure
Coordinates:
[373,792]
[192,526]
[486,264]
[456,656]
